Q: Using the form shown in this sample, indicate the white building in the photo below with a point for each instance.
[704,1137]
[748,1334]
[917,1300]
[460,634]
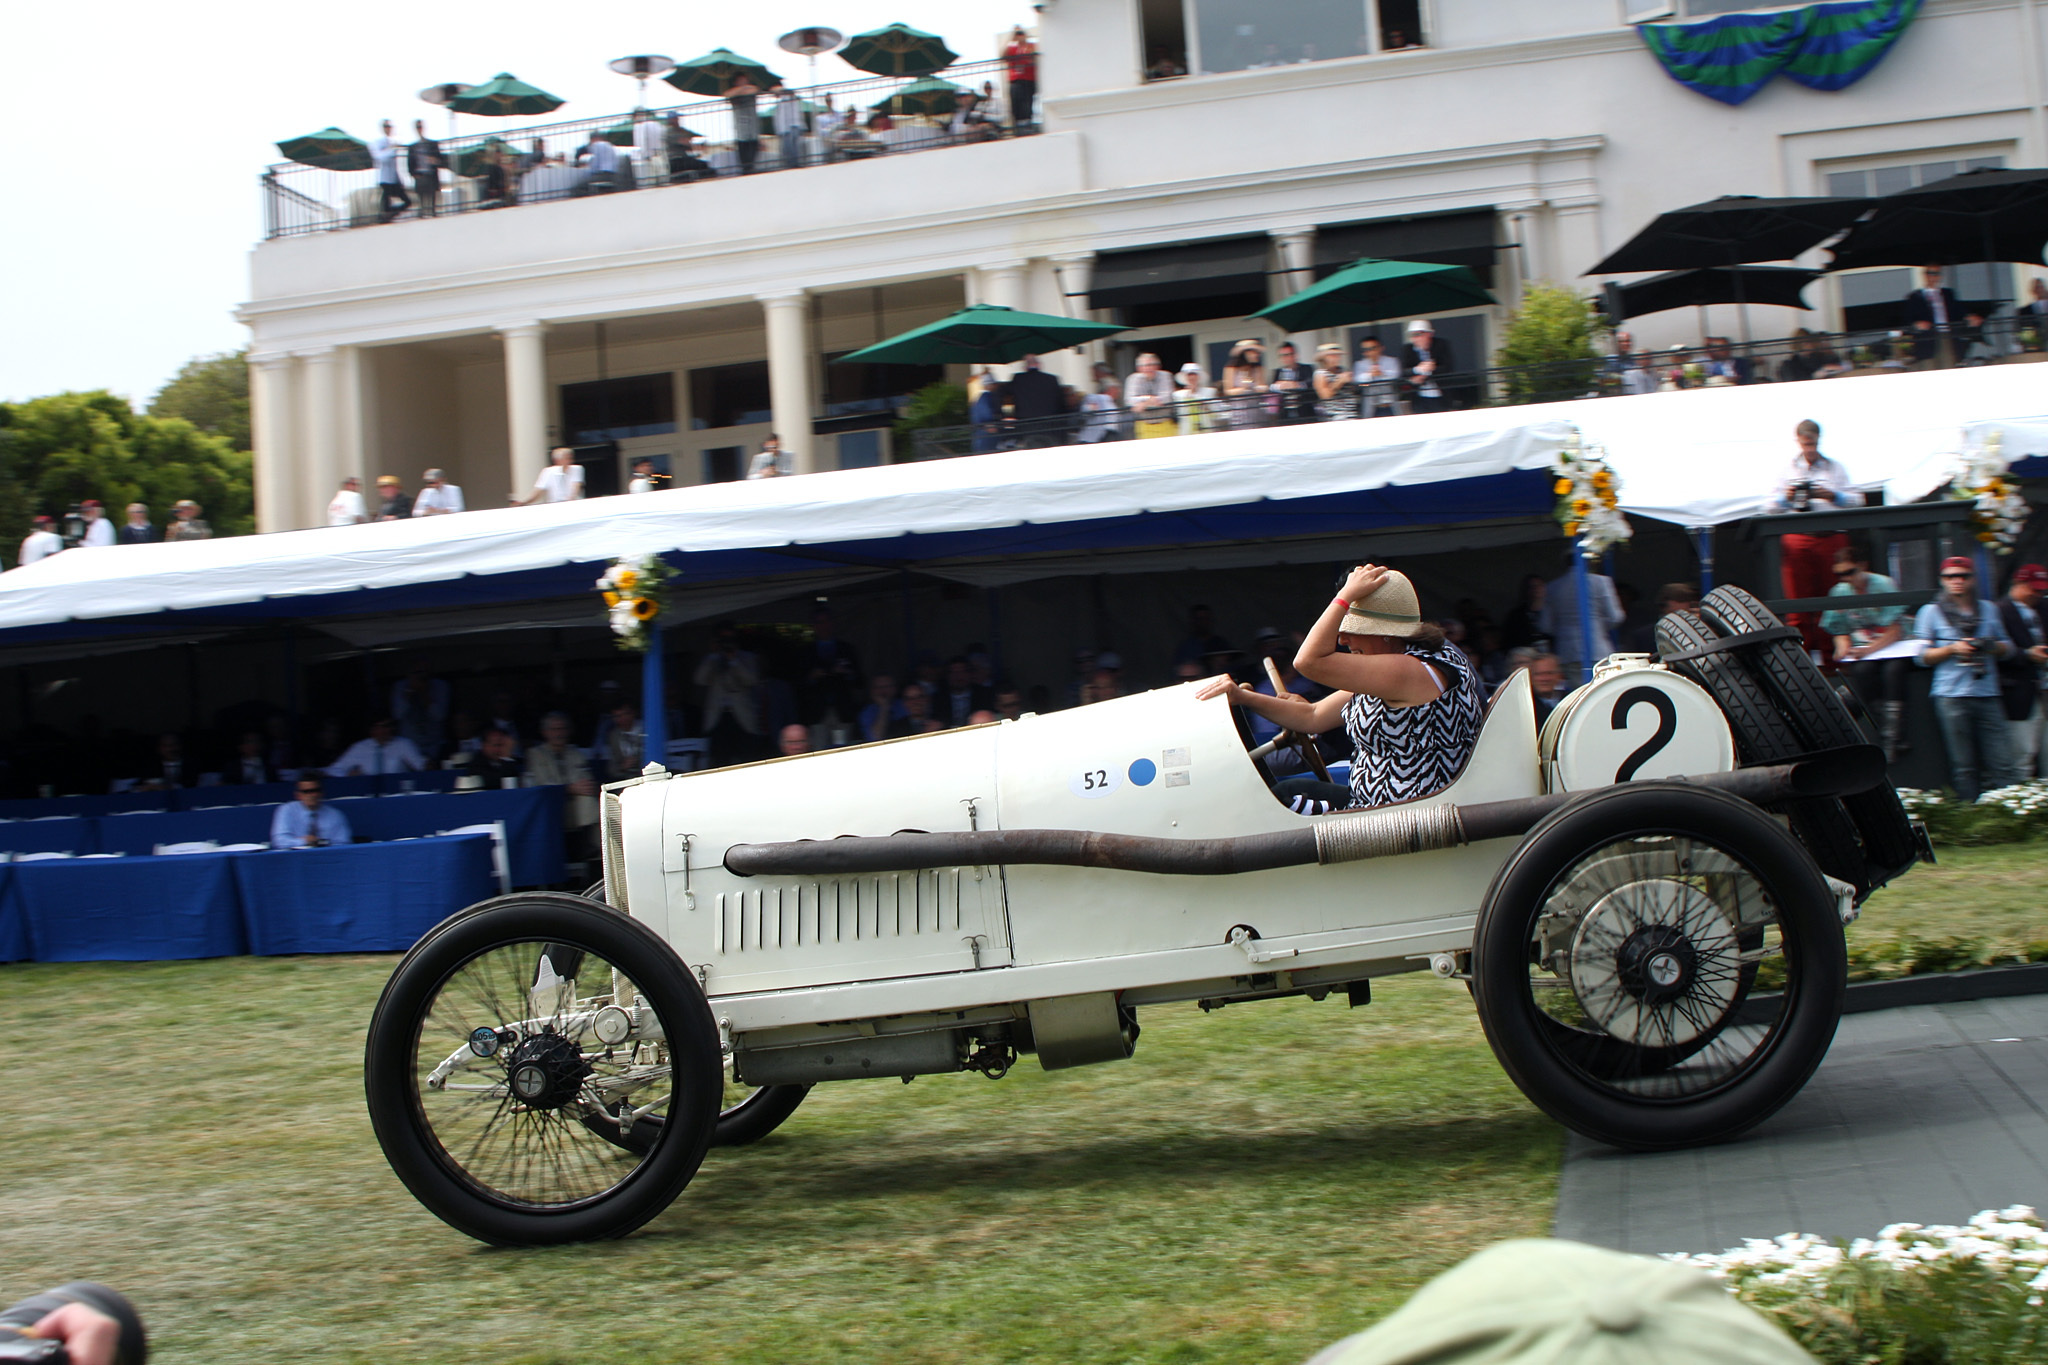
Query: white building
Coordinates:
[1525,139]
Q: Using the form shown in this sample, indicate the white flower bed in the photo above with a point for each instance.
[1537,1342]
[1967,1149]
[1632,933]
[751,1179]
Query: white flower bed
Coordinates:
[2027,799]
[2012,1241]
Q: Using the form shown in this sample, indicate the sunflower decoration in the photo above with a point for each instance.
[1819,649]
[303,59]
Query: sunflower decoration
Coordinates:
[635,595]
[1588,496]
[2001,512]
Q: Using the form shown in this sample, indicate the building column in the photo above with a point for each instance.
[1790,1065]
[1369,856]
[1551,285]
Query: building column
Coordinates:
[1574,239]
[274,425]
[788,318]
[321,467]
[526,402]
[352,429]
[1003,284]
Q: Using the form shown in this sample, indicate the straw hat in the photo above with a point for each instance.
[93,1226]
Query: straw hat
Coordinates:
[1391,609]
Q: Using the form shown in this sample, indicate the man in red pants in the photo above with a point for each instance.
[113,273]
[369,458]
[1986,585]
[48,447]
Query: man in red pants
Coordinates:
[1813,483]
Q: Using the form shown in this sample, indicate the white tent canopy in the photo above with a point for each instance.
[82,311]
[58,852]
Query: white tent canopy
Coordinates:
[1695,458]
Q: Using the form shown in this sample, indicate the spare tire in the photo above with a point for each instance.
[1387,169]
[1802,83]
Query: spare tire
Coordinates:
[1818,716]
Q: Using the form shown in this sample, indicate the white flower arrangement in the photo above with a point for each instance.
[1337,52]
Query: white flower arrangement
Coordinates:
[2027,799]
[1981,478]
[1915,798]
[1588,496]
[635,595]
[2011,1244]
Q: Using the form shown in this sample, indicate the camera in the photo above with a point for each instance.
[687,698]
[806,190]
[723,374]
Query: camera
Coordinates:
[1800,497]
[17,1323]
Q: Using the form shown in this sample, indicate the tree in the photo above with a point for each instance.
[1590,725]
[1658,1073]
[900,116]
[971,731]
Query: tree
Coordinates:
[934,405]
[1548,346]
[212,393]
[62,449]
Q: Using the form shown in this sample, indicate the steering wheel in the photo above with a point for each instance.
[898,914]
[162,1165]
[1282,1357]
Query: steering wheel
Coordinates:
[1303,744]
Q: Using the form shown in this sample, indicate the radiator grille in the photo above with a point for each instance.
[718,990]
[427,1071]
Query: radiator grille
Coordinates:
[893,905]
[615,852]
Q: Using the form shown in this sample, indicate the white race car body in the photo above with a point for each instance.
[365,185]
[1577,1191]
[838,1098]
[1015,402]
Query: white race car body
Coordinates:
[780,957]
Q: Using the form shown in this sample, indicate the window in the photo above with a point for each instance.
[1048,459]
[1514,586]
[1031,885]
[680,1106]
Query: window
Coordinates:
[729,396]
[854,389]
[616,409]
[1206,36]
[724,464]
[1871,298]
[1892,179]
[860,449]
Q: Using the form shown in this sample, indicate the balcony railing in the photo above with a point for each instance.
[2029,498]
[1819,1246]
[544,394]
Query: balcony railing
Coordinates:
[1784,360]
[299,199]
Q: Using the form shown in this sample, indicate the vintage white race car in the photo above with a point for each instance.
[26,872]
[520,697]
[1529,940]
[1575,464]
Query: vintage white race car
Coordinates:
[1647,902]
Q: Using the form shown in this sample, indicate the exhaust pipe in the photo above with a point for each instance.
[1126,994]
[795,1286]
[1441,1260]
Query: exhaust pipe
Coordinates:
[1340,838]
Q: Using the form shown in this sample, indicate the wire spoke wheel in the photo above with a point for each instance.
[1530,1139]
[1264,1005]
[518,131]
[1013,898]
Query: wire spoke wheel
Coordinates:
[1616,960]
[513,1048]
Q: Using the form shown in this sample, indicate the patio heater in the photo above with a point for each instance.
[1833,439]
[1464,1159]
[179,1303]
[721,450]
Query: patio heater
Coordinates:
[812,43]
[445,95]
[643,69]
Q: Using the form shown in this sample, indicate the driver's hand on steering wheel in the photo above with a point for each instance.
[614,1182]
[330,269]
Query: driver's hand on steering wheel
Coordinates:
[1221,685]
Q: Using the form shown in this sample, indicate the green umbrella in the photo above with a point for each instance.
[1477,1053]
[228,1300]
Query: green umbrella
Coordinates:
[471,162]
[928,96]
[504,95]
[330,149]
[711,73]
[621,134]
[898,50]
[1368,290]
[982,334]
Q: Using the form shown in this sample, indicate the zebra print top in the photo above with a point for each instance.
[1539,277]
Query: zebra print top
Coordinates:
[1402,752]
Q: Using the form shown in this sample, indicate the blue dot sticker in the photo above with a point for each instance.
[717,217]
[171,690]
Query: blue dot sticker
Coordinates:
[1143,770]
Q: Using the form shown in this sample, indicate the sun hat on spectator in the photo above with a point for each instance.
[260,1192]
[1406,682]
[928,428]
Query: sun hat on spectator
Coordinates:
[94,502]
[1420,325]
[1390,609]
[2033,575]
[384,480]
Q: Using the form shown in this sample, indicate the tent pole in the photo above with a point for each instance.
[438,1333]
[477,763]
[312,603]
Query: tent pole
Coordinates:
[653,700]
[1703,545]
[1582,581]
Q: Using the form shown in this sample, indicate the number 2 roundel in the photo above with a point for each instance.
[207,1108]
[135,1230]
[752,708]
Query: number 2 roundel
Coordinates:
[1645,723]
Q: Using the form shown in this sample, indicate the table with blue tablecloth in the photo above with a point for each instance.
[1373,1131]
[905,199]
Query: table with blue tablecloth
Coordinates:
[365,898]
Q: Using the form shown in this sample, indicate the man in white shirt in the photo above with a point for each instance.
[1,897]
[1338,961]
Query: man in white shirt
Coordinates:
[1813,483]
[40,543]
[650,148]
[98,530]
[561,481]
[393,200]
[1376,373]
[346,508]
[384,751]
[771,462]
[437,497]
[603,160]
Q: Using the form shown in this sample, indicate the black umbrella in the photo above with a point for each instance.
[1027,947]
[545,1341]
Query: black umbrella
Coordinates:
[1982,215]
[1731,230]
[1777,285]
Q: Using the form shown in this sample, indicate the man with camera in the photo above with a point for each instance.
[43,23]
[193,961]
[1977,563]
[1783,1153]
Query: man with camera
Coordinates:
[1965,638]
[1813,483]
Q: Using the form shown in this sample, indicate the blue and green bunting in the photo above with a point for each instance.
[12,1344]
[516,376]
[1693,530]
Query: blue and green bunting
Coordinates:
[1824,47]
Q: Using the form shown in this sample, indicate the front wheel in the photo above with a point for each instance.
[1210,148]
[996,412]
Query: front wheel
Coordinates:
[1614,959]
[505,1043]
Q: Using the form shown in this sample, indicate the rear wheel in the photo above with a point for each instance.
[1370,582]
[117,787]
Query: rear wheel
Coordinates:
[1614,958]
[492,1076]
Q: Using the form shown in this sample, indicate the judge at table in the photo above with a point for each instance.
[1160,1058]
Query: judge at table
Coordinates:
[385,751]
[308,822]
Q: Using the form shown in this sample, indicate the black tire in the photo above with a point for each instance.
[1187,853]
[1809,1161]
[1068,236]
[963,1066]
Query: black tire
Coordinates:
[1762,735]
[746,1114]
[530,1171]
[1705,871]
[1817,714]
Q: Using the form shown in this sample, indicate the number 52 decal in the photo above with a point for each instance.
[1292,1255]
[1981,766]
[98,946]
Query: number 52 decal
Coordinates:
[1091,783]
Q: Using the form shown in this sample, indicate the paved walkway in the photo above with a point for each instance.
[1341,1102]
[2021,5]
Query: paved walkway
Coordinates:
[1921,1115]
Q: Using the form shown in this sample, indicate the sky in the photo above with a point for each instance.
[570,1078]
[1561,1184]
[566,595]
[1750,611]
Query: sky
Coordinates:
[134,135]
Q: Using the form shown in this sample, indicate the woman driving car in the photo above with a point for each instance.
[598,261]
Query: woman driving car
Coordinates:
[1408,699]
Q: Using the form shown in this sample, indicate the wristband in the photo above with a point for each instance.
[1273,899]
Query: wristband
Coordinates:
[1342,603]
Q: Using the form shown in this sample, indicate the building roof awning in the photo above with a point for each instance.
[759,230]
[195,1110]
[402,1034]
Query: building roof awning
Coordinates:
[1464,238]
[1155,274]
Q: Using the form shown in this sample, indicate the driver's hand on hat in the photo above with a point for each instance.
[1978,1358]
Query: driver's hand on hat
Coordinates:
[1363,582]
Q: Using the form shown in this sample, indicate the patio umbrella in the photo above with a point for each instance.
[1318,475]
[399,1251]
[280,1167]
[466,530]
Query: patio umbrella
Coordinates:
[1981,215]
[503,96]
[898,50]
[1731,230]
[981,334]
[330,149]
[928,96]
[1369,290]
[711,73]
[1777,285]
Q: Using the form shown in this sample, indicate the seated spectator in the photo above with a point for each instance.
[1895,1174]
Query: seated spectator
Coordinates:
[793,739]
[383,751]
[625,746]
[1671,597]
[1149,394]
[917,711]
[1627,371]
[983,718]
[883,716]
[1811,358]
[308,821]
[1723,366]
[1546,684]
[678,142]
[603,160]
[250,766]
[962,696]
[170,769]
[555,762]
[1009,703]
[495,760]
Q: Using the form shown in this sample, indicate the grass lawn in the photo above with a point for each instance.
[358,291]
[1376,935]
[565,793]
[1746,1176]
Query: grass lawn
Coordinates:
[1998,894]
[1253,1185]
